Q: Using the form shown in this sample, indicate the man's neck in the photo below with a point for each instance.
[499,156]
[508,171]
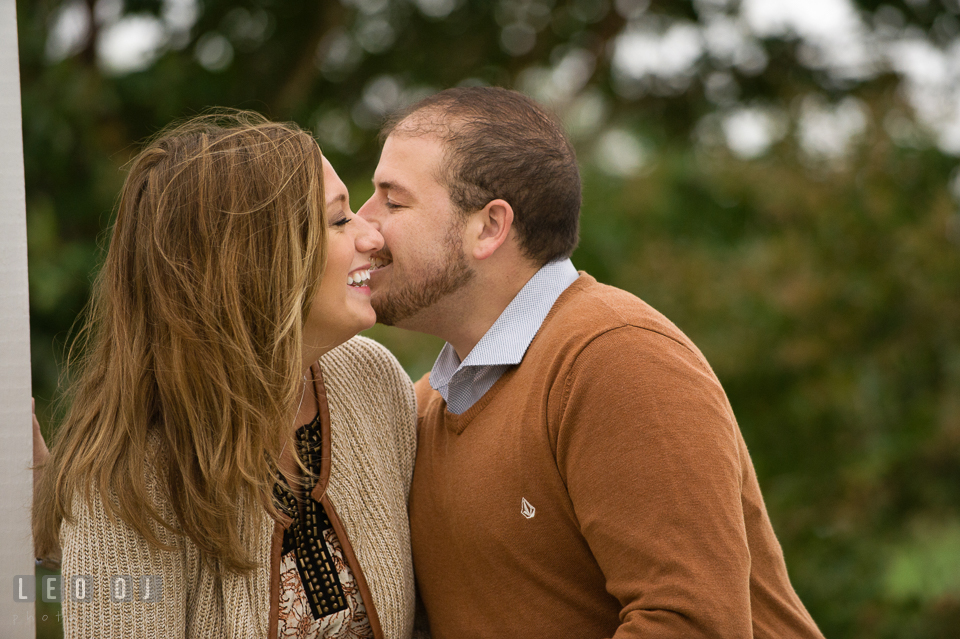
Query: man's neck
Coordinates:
[463,318]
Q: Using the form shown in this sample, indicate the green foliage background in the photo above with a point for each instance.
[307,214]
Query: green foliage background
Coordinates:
[824,292]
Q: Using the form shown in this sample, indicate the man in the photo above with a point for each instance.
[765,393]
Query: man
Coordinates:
[579,472]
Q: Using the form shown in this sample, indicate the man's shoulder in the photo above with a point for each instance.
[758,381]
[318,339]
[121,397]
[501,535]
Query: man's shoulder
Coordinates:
[589,309]
[425,393]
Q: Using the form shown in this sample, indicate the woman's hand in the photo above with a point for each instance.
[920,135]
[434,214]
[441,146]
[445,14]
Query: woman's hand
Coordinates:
[40,452]
[40,455]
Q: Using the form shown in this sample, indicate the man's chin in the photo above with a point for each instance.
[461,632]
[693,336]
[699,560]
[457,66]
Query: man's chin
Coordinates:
[399,315]
[385,314]
[386,319]
[413,304]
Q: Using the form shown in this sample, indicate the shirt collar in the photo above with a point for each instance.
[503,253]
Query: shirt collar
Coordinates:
[506,342]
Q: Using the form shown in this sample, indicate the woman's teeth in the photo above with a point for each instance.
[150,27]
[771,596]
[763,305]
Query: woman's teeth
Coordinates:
[378,262]
[358,278]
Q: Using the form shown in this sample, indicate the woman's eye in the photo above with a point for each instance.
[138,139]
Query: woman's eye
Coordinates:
[343,221]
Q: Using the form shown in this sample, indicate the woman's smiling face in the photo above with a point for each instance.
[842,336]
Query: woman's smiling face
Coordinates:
[341,308]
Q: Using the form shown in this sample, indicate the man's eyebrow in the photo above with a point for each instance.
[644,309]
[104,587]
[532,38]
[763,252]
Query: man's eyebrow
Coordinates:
[393,186]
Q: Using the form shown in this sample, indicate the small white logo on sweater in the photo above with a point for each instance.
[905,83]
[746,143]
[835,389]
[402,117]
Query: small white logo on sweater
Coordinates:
[526,508]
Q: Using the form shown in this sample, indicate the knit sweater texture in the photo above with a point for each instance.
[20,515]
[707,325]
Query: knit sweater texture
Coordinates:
[368,401]
[601,488]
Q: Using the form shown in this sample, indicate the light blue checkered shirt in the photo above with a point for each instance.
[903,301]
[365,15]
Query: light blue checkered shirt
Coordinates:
[462,383]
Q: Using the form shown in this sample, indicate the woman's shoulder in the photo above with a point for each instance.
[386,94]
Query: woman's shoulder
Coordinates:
[100,504]
[363,372]
[361,357]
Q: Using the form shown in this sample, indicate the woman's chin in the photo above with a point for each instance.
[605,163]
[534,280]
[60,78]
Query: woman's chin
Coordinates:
[326,338]
[368,321]
[371,321]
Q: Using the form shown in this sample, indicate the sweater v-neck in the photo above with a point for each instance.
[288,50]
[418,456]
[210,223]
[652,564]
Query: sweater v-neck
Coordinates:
[458,423]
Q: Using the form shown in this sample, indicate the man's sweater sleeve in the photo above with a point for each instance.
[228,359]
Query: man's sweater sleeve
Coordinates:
[648,448]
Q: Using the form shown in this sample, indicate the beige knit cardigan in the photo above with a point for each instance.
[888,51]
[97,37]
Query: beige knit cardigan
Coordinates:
[369,413]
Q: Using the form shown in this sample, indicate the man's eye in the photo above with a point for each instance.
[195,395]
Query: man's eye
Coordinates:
[393,205]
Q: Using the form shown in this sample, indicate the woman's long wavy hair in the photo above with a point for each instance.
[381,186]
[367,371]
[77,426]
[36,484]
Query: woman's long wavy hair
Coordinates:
[193,335]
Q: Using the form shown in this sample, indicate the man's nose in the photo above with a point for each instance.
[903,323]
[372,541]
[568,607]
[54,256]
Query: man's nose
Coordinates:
[368,212]
[369,238]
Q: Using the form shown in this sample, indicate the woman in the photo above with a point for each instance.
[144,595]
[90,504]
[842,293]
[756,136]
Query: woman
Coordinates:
[225,433]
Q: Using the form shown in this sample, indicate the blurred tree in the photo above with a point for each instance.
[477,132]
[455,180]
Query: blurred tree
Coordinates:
[777,177]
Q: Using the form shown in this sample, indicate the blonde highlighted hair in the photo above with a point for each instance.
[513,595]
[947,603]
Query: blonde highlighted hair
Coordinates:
[193,335]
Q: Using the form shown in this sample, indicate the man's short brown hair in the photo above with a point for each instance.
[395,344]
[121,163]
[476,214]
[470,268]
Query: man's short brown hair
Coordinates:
[501,144]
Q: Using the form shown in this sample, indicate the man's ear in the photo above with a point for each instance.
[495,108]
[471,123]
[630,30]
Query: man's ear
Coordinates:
[493,223]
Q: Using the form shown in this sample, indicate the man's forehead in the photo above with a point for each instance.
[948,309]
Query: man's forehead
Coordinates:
[405,155]
[429,122]
[415,138]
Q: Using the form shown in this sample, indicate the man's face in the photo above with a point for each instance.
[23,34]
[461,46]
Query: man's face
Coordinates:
[422,261]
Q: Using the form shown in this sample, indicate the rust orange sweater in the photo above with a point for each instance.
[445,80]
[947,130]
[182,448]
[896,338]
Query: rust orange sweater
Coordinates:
[599,489]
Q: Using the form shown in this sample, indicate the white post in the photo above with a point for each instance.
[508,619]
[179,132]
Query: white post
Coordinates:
[16,444]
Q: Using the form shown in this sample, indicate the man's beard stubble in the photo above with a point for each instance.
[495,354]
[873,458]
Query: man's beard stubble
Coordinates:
[405,299]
